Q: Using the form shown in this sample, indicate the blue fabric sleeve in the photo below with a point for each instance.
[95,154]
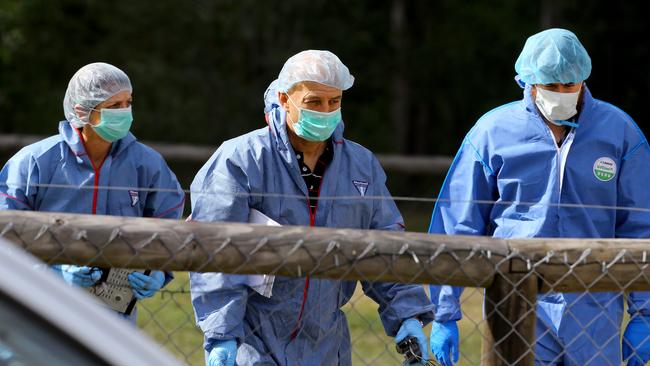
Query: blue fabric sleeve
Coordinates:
[17,177]
[164,204]
[219,302]
[470,178]
[634,174]
[220,193]
[447,302]
[397,302]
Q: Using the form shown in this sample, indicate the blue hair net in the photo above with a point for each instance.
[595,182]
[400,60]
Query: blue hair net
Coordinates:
[322,67]
[90,86]
[553,56]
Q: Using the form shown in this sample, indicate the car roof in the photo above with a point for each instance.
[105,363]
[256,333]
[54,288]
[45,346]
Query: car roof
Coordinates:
[31,283]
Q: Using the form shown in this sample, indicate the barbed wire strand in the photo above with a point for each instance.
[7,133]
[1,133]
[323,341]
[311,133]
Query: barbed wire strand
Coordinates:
[324,198]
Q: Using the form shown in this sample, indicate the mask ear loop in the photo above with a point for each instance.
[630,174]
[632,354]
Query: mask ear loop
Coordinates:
[100,118]
[294,104]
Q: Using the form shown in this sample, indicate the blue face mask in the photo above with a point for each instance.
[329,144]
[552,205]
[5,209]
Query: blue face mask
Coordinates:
[315,126]
[114,123]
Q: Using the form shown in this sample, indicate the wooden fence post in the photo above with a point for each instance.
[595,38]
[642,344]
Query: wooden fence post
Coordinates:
[509,335]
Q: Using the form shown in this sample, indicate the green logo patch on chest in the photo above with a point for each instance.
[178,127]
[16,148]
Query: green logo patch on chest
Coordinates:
[605,169]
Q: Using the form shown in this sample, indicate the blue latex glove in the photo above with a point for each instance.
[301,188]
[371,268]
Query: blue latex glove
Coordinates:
[143,285]
[223,353]
[636,341]
[444,342]
[413,327]
[79,275]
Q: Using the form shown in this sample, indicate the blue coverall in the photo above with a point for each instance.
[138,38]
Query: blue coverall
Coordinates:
[510,157]
[235,180]
[56,175]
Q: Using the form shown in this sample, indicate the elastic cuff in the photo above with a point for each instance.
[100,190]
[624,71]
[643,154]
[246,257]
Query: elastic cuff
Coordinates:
[209,343]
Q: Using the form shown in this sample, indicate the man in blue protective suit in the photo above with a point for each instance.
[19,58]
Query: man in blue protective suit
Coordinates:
[94,166]
[554,164]
[301,155]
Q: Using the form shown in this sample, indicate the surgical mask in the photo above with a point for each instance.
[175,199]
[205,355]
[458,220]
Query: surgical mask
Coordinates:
[315,126]
[114,123]
[557,107]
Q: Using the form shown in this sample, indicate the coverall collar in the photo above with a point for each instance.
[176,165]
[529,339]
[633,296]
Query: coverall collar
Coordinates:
[73,140]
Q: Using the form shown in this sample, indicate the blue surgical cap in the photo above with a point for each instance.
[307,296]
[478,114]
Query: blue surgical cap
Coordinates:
[553,56]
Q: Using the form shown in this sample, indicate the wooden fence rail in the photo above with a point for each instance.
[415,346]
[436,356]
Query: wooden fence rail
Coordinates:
[512,270]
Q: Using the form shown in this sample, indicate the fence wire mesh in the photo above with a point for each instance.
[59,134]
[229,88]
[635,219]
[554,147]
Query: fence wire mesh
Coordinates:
[597,275]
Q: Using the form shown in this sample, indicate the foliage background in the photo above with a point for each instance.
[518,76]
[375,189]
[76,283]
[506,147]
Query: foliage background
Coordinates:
[425,70]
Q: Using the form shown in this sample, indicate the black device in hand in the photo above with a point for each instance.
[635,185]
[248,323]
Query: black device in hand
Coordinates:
[410,348]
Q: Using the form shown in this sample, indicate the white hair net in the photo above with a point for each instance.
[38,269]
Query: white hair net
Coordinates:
[318,66]
[90,86]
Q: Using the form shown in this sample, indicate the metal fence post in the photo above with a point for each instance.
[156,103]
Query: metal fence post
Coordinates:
[510,320]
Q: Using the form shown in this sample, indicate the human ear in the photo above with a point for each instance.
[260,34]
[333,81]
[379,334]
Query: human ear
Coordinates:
[283,98]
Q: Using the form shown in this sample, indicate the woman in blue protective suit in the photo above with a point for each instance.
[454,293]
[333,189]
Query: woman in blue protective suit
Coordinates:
[301,155]
[94,166]
[555,163]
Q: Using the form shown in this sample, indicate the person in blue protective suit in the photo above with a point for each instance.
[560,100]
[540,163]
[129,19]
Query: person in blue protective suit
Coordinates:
[94,166]
[555,164]
[301,155]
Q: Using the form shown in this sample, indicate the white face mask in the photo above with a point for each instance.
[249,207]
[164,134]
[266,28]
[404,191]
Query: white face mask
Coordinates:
[556,107]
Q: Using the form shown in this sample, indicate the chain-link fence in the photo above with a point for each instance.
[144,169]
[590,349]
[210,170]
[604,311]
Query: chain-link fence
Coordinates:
[504,278]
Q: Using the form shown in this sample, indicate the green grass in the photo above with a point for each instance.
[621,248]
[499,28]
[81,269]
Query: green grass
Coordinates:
[168,318]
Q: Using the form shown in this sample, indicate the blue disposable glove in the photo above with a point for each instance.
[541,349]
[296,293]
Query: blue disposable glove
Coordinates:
[444,342]
[223,353]
[636,341]
[144,285]
[413,327]
[79,275]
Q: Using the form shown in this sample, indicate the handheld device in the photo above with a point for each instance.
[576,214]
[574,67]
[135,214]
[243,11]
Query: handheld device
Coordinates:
[410,348]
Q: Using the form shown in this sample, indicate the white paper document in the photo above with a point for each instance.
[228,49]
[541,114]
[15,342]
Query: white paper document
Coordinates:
[262,284]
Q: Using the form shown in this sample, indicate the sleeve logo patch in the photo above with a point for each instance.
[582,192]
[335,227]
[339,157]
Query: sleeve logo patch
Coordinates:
[604,169]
